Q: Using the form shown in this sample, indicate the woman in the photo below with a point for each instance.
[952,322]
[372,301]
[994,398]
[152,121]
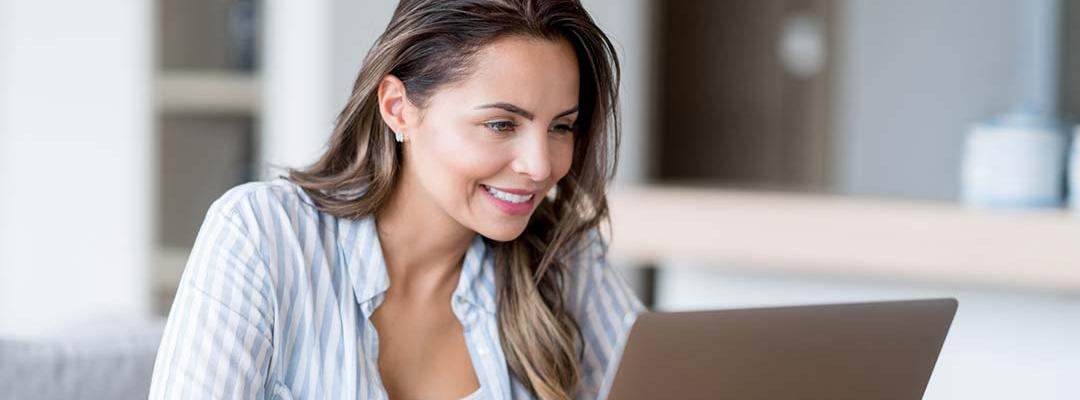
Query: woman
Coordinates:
[445,246]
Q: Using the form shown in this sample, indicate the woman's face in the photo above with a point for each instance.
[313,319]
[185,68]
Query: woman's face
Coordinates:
[488,148]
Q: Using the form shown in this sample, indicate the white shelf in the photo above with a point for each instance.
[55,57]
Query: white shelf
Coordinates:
[848,237]
[208,92]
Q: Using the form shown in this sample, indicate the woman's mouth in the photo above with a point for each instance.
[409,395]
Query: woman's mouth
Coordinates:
[511,201]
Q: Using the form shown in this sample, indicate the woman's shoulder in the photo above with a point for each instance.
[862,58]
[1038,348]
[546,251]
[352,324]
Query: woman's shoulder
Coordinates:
[260,197]
[276,214]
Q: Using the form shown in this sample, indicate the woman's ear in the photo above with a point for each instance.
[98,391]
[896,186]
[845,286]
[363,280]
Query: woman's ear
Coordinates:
[393,105]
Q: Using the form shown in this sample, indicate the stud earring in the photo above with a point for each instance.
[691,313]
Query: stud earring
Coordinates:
[399,137]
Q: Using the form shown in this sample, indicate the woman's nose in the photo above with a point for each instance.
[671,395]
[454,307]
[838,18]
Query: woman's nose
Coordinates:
[533,157]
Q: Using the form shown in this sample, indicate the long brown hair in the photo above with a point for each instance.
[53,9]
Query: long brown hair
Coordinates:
[430,43]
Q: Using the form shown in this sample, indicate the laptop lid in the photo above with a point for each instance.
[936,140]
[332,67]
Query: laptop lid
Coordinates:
[865,351]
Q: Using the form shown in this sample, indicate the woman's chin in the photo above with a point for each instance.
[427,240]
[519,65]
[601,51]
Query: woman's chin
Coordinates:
[503,232]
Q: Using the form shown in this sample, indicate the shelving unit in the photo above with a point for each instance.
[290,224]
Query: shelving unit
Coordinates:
[848,237]
[208,92]
[208,105]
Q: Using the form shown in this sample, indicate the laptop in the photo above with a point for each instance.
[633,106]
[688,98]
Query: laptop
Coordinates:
[865,351]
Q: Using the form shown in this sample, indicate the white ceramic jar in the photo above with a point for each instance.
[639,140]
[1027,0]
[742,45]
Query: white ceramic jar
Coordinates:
[1015,161]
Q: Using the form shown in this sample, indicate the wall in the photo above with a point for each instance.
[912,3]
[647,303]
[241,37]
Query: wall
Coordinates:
[913,75]
[628,24]
[312,53]
[296,60]
[75,162]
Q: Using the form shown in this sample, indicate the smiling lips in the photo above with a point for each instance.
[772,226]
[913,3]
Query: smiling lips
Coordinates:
[511,201]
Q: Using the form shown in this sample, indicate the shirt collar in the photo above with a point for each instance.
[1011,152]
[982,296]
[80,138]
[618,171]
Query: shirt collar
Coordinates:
[477,282]
[358,244]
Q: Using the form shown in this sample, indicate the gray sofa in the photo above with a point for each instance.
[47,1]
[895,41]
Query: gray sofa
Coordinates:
[105,360]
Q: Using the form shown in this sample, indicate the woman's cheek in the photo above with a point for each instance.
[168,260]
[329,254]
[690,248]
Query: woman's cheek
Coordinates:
[564,157]
[475,159]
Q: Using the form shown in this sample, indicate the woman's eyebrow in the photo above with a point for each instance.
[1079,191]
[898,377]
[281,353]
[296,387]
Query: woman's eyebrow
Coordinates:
[519,111]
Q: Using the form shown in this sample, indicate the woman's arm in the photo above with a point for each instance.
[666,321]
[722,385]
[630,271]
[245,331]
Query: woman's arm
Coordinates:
[218,338]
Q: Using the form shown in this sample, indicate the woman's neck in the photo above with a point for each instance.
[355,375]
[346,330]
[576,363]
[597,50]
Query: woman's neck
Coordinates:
[422,245]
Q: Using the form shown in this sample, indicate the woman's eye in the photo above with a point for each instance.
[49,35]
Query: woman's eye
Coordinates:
[501,126]
[563,129]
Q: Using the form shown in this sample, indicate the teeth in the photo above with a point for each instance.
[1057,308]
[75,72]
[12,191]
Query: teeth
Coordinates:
[510,197]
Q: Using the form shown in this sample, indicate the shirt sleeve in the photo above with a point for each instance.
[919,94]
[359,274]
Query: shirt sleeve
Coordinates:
[604,306]
[217,340]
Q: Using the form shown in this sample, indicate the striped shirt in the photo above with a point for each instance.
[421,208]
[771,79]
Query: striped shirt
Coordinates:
[276,300]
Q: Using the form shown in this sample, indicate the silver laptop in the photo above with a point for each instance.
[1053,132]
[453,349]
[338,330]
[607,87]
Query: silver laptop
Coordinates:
[865,351]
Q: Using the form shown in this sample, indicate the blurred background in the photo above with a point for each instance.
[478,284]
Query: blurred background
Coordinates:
[788,151]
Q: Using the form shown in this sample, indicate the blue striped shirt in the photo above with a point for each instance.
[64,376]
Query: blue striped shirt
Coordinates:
[276,299]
